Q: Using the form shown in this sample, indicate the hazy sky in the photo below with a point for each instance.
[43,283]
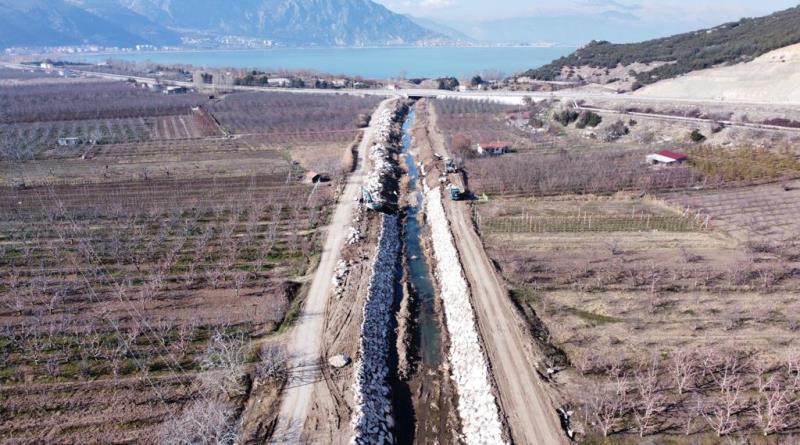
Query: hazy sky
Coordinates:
[686,12]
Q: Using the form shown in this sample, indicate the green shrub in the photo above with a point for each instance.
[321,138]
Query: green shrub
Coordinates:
[448,83]
[588,119]
[696,136]
[565,117]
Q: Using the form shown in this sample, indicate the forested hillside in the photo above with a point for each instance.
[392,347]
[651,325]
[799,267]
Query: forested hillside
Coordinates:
[729,43]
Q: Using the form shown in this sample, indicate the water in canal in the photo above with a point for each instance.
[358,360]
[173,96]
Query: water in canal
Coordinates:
[428,329]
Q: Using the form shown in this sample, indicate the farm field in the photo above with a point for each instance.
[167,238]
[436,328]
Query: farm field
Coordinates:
[169,136]
[661,300]
[143,276]
[761,213]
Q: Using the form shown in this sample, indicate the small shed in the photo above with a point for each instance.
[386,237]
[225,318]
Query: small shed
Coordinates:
[666,157]
[494,148]
[64,142]
[279,82]
[176,90]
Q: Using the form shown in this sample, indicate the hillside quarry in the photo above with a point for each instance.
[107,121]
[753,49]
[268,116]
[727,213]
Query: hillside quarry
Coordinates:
[773,78]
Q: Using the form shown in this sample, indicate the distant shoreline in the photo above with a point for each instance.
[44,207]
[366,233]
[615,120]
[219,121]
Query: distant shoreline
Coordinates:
[307,48]
[380,62]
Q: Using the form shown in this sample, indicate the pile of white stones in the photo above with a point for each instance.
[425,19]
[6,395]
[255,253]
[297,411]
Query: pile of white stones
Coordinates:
[381,157]
[339,278]
[373,420]
[477,407]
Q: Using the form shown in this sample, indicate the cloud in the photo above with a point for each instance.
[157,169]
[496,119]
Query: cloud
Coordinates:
[583,7]
[686,14]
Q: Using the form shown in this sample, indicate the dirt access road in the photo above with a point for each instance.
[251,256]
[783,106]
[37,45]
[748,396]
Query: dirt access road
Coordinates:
[530,414]
[304,344]
[526,406]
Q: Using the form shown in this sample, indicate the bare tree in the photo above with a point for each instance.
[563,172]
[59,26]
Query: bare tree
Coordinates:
[650,400]
[223,360]
[683,369]
[239,280]
[272,364]
[214,275]
[773,410]
[774,402]
[203,422]
[606,409]
[721,409]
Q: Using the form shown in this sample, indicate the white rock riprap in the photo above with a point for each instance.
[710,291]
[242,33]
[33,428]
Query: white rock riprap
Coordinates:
[477,407]
[380,155]
[372,419]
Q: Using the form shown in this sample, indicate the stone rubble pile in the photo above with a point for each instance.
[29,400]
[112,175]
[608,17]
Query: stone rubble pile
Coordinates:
[354,236]
[383,168]
[373,420]
[477,408]
[339,277]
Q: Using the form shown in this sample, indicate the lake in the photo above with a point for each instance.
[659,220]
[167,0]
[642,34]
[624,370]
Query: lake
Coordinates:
[378,63]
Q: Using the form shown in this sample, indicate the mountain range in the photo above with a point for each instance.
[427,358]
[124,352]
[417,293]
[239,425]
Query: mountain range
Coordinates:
[126,23]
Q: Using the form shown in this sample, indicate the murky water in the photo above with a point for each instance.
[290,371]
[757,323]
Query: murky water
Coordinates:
[428,329]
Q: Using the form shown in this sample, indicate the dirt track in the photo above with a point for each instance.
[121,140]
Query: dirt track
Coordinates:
[304,345]
[527,408]
[529,412]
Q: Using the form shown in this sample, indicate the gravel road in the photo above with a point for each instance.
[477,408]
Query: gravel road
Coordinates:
[305,342]
[529,413]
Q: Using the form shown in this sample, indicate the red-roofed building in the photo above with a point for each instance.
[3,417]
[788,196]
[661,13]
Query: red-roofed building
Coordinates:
[494,148]
[666,157]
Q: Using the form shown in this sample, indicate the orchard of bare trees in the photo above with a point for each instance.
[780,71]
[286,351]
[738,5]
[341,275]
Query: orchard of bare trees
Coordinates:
[115,291]
[94,100]
[603,172]
[692,392]
[141,279]
[286,117]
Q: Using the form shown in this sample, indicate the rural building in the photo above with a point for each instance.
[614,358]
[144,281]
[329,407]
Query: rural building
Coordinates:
[494,148]
[279,82]
[176,90]
[69,141]
[666,157]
